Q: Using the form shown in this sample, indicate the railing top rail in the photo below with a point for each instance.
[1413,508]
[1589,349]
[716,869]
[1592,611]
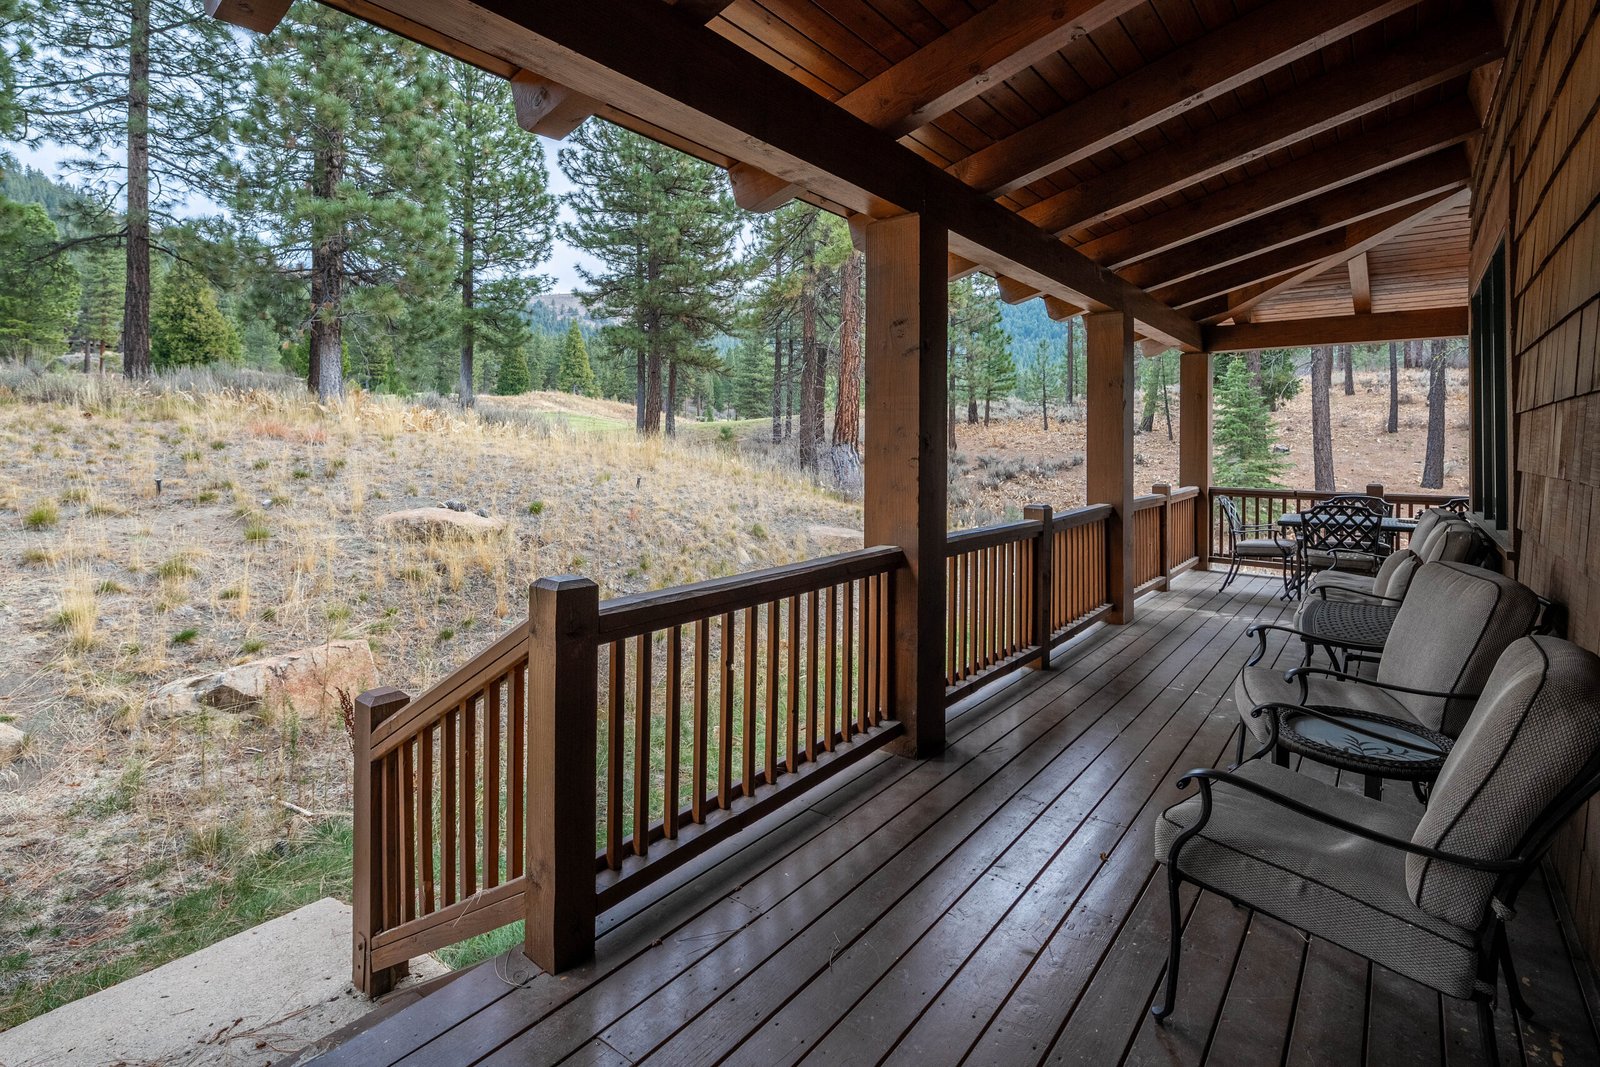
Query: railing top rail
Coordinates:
[1066,520]
[1185,492]
[642,613]
[432,704]
[1149,500]
[960,541]
[1321,494]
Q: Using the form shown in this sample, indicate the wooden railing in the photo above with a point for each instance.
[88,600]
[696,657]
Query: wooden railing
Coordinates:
[1183,550]
[1263,506]
[594,748]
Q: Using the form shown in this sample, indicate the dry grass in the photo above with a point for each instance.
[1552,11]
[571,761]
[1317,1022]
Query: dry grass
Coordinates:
[202,522]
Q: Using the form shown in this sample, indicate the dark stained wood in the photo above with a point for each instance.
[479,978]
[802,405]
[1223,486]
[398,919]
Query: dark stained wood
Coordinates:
[1194,442]
[262,16]
[373,708]
[1360,285]
[563,619]
[1351,329]
[1108,399]
[1271,36]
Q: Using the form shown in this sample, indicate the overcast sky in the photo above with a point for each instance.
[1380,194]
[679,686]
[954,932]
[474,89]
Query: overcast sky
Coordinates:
[563,257]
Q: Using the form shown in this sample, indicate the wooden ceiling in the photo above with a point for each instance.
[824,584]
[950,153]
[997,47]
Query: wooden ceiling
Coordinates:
[1234,161]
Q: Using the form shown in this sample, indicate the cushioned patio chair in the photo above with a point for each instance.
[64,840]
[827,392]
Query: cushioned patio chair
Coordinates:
[1452,626]
[1342,533]
[1253,542]
[1424,892]
[1439,536]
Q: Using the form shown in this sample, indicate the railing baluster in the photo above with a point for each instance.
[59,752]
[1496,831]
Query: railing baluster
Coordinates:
[725,719]
[791,690]
[617,665]
[643,683]
[747,743]
[702,709]
[517,764]
[847,689]
[408,830]
[491,787]
[425,798]
[452,772]
[674,730]
[813,631]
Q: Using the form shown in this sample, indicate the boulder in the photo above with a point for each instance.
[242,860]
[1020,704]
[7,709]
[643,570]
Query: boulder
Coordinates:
[425,523]
[307,680]
[11,740]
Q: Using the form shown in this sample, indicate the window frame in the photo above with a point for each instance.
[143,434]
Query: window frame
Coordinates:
[1492,495]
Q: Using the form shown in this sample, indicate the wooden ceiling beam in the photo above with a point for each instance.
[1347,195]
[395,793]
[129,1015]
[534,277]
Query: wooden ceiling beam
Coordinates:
[1341,330]
[960,267]
[1013,291]
[1360,238]
[1421,62]
[1360,285]
[980,53]
[262,16]
[1320,251]
[756,190]
[1441,172]
[641,59]
[546,108]
[1221,61]
[1371,152]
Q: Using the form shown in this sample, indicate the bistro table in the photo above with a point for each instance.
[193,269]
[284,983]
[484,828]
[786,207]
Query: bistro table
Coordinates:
[1376,746]
[1291,521]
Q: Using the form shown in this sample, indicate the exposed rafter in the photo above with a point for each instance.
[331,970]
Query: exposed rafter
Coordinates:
[756,190]
[1351,91]
[1334,167]
[547,108]
[1441,172]
[1267,38]
[644,60]
[977,55]
[1345,330]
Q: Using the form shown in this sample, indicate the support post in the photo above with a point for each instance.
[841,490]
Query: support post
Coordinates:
[1375,489]
[1044,551]
[371,861]
[1194,444]
[563,658]
[1165,491]
[1109,404]
[906,456]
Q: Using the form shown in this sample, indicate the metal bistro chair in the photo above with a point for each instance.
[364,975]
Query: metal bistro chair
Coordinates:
[1425,892]
[1252,542]
[1341,533]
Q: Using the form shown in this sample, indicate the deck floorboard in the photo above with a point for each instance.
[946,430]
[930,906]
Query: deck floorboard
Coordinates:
[998,905]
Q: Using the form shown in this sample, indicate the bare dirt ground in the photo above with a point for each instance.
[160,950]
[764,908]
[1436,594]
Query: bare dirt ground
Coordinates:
[148,536]
[1014,461]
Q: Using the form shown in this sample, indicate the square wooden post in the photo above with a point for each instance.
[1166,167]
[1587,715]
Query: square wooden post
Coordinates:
[906,457]
[1108,400]
[1194,444]
[1165,491]
[563,691]
[1044,551]
[372,862]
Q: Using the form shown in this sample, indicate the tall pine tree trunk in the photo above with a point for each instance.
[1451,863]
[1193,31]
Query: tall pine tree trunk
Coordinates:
[672,398]
[1072,361]
[847,415]
[468,296]
[652,386]
[950,421]
[1394,388]
[1433,458]
[1349,370]
[638,391]
[811,375]
[326,373]
[136,304]
[789,387]
[777,383]
[1321,423]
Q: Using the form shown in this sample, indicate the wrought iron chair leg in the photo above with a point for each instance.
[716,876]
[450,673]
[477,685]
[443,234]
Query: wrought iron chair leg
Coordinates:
[1502,948]
[1491,1048]
[1174,949]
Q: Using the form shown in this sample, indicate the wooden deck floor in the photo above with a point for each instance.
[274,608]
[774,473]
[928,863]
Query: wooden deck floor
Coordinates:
[995,906]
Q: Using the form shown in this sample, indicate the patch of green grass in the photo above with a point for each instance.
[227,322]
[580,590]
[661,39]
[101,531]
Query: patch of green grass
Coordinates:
[110,586]
[186,636]
[252,646]
[445,634]
[536,508]
[205,496]
[218,446]
[261,464]
[39,556]
[176,567]
[78,494]
[254,889]
[300,474]
[256,531]
[483,947]
[41,517]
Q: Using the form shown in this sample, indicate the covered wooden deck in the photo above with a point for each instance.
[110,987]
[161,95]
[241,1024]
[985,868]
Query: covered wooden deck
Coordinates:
[997,904]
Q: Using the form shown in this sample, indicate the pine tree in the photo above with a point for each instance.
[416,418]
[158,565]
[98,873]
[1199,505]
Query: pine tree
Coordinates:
[575,375]
[663,227]
[1321,418]
[1243,432]
[345,165]
[1433,456]
[980,348]
[513,378]
[103,274]
[501,214]
[187,327]
[847,412]
[153,78]
[11,27]
[38,285]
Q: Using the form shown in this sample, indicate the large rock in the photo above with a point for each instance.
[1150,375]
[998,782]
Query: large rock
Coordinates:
[424,523]
[11,740]
[307,680]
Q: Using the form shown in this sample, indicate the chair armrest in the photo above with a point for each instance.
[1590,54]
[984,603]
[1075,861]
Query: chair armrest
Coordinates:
[1322,591]
[1207,777]
[1300,674]
[1259,632]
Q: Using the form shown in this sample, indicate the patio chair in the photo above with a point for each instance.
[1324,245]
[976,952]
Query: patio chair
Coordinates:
[1341,533]
[1452,626]
[1253,542]
[1426,893]
[1439,535]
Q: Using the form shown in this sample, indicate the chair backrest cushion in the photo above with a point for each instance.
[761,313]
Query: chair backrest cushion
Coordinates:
[1452,627]
[1451,540]
[1394,577]
[1427,519]
[1536,728]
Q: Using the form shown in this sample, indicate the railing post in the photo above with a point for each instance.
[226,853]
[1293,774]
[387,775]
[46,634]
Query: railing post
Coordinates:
[563,698]
[1375,489]
[372,847]
[1044,550]
[1194,445]
[1166,533]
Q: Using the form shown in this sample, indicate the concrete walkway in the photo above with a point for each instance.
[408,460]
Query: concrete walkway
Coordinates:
[255,998]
